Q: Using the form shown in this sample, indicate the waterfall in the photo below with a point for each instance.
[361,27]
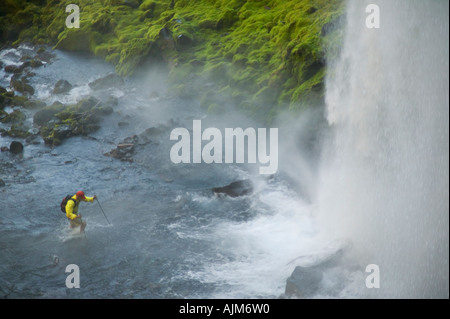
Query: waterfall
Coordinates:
[384,181]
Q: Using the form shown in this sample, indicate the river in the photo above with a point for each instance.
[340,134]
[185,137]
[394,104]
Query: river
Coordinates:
[376,187]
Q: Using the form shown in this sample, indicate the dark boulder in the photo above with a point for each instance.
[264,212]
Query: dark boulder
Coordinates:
[16,147]
[13,69]
[235,189]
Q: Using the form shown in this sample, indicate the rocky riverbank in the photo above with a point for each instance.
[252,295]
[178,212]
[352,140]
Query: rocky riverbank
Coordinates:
[260,57]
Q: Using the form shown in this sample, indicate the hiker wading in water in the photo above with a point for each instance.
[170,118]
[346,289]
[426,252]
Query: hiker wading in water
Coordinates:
[72,209]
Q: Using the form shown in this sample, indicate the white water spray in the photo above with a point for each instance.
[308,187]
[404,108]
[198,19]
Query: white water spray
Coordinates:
[385,176]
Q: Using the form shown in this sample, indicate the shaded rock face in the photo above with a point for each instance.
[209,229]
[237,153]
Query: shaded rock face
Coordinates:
[235,189]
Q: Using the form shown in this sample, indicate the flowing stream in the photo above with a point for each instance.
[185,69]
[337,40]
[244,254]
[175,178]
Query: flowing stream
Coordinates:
[374,186]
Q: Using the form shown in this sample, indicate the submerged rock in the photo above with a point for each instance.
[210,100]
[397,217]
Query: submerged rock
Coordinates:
[235,189]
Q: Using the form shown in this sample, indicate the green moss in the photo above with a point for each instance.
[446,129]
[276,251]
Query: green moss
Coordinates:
[18,131]
[268,52]
[14,117]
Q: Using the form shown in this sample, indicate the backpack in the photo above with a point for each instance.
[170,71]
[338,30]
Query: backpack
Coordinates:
[64,202]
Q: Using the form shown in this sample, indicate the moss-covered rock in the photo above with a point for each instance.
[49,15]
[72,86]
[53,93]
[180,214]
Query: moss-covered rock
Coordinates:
[269,54]
[15,116]
[17,131]
[58,121]
[20,84]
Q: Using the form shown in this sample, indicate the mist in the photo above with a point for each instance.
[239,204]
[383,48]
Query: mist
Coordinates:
[383,176]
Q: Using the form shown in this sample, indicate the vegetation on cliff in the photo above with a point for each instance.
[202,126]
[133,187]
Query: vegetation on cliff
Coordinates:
[261,56]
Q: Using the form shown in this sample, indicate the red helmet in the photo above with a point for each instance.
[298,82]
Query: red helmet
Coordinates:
[80,194]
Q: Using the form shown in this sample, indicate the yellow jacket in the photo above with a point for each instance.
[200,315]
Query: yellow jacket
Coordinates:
[72,206]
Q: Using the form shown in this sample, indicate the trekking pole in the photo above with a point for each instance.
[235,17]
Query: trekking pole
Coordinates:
[102,210]
[83,229]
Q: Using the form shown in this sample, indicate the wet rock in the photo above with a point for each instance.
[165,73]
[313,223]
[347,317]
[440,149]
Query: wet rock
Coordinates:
[16,147]
[16,131]
[13,69]
[88,103]
[235,189]
[58,121]
[32,139]
[62,86]
[304,282]
[306,279]
[44,55]
[152,134]
[20,84]
[123,152]
[35,63]
[102,110]
[34,104]
[106,82]
[3,116]
[62,131]
[14,117]
[43,116]
[112,101]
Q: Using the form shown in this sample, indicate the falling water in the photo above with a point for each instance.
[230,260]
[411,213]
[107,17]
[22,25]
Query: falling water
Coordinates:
[385,177]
